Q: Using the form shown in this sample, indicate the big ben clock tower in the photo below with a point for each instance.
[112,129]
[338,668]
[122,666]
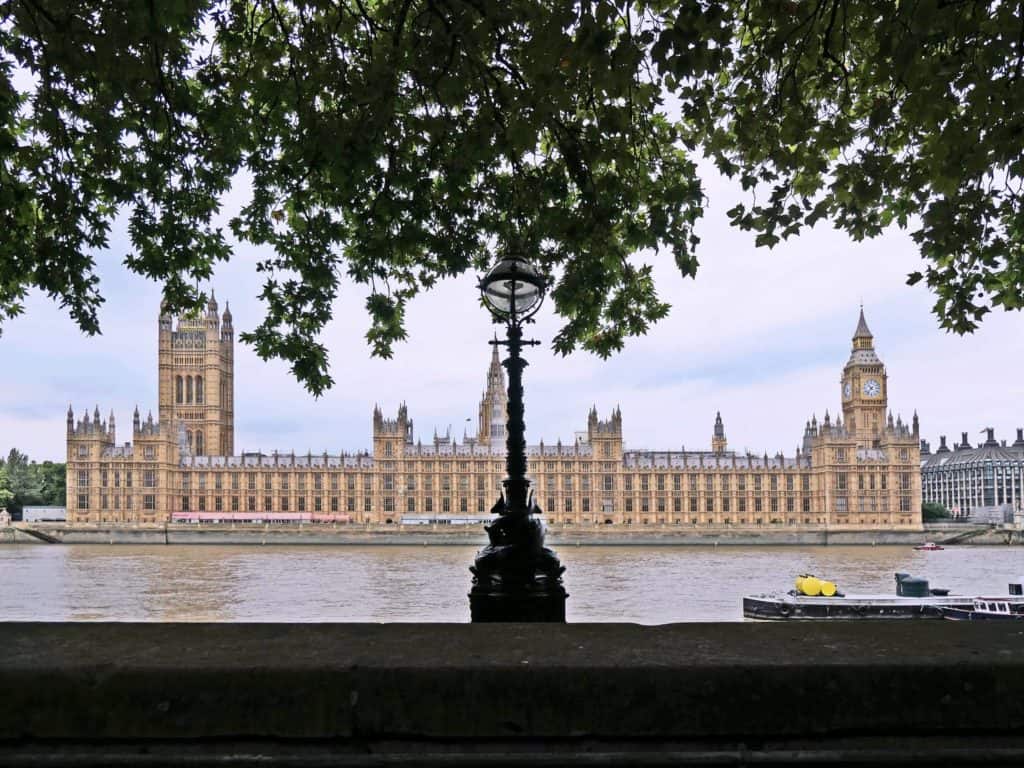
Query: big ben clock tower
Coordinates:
[864,388]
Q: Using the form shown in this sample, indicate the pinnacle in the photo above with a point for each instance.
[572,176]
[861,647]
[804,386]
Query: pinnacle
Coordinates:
[862,332]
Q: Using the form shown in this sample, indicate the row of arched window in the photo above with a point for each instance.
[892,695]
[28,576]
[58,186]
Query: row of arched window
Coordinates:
[196,442]
[188,389]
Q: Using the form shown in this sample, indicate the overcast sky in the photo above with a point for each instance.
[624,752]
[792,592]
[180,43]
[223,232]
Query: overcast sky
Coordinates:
[760,335]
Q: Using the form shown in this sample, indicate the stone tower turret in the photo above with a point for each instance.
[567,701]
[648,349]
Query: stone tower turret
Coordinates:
[196,387]
[493,405]
[605,436]
[391,436]
[718,443]
[864,389]
[810,432]
[212,319]
[88,437]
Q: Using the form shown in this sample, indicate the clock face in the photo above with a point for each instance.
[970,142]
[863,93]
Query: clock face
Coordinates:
[847,390]
[872,388]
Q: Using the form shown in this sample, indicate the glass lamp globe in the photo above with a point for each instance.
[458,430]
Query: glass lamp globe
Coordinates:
[513,289]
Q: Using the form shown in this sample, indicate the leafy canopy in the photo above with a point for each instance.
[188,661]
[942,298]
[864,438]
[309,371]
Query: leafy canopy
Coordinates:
[399,142]
[27,483]
[6,494]
[932,511]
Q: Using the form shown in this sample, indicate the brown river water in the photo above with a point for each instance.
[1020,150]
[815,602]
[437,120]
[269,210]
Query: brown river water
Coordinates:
[647,585]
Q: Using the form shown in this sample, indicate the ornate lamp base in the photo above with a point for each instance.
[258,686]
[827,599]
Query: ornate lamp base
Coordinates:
[515,577]
[540,603]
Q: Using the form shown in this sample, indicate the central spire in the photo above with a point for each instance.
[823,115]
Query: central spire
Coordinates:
[494,403]
[718,443]
[862,338]
[495,375]
[862,332]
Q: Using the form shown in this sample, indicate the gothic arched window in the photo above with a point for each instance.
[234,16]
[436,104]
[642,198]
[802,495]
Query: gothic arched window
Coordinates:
[188,389]
[189,436]
[199,389]
[199,442]
[178,387]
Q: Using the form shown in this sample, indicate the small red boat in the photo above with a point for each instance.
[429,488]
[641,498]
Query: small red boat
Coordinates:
[928,546]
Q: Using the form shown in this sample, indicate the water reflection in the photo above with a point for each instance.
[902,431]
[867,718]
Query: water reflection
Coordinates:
[648,585]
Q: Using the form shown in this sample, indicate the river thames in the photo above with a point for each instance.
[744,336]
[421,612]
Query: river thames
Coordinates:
[647,585]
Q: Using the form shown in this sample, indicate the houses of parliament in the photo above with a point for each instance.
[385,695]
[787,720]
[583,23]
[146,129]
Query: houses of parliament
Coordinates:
[860,470]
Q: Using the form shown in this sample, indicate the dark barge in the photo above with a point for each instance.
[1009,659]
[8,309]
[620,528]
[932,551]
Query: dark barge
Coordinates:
[913,600]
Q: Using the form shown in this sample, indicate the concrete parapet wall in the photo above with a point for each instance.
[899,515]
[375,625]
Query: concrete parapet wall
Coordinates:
[689,694]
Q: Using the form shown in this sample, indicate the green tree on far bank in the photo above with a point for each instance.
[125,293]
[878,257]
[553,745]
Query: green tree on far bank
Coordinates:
[6,494]
[30,484]
[933,512]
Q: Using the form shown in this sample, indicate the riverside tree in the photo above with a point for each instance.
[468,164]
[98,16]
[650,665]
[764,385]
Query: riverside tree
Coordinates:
[399,142]
[932,511]
[29,483]
[6,494]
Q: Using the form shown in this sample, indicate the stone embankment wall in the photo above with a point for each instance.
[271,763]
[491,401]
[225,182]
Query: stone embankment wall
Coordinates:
[810,694]
[24,534]
[472,535]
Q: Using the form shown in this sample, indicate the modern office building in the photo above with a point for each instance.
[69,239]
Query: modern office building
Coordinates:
[982,483]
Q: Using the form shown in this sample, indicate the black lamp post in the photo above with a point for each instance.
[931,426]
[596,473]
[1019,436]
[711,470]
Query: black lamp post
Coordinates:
[515,577]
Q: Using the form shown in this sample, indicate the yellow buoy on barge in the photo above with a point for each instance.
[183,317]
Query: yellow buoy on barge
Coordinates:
[812,586]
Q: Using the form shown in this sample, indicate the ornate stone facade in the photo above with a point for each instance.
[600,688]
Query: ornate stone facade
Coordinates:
[197,372]
[860,471]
